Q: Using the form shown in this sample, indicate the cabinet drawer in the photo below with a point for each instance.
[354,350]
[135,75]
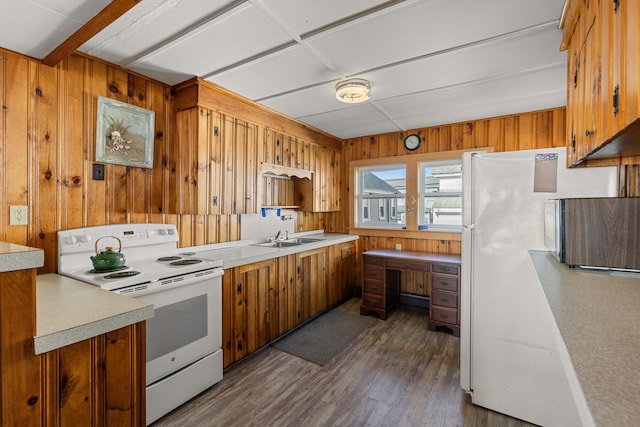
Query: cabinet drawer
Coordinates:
[373,301]
[373,272]
[443,282]
[446,299]
[444,268]
[347,251]
[373,287]
[407,265]
[444,314]
[373,260]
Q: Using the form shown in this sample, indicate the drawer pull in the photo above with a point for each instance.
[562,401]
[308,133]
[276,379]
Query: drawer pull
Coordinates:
[406,265]
[444,283]
[372,301]
[373,273]
[444,316]
[349,252]
[444,299]
[374,287]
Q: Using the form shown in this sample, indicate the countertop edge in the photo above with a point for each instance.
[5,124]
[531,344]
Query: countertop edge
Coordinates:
[17,257]
[328,239]
[69,311]
[56,340]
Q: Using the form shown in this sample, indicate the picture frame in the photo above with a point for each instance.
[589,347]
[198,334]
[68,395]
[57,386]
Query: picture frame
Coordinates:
[124,134]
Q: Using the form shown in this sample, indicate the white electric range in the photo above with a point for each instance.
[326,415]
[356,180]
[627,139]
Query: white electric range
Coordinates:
[184,338]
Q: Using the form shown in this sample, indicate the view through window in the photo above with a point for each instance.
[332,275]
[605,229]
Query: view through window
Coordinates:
[441,194]
[381,196]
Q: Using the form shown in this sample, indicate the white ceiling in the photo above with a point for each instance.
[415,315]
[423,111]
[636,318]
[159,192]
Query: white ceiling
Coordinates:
[429,62]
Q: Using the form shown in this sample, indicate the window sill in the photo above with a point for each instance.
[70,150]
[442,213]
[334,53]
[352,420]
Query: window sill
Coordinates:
[455,236]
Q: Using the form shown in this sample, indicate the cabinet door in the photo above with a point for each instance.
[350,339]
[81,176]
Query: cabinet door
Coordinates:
[250,309]
[287,294]
[348,269]
[258,288]
[239,167]
[312,282]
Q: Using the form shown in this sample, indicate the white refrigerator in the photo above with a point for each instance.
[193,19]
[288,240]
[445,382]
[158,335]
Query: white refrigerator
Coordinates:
[508,356]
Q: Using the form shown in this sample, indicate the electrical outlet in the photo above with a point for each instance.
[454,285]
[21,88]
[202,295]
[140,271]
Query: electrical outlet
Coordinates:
[98,172]
[398,247]
[17,215]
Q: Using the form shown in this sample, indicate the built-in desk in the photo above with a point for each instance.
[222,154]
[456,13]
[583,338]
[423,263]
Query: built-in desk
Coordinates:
[438,275]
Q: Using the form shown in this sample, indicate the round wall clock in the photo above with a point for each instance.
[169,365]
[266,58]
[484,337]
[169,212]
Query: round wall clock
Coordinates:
[412,142]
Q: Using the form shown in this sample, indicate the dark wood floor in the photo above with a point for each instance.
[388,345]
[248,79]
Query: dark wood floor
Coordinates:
[397,373]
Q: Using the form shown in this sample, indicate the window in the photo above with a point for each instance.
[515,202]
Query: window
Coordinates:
[440,195]
[381,195]
[418,193]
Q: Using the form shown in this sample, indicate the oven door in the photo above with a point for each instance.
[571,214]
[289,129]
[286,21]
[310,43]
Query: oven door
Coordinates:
[186,325]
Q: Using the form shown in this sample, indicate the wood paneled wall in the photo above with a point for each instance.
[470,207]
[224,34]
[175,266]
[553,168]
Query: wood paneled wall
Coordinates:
[47,149]
[540,129]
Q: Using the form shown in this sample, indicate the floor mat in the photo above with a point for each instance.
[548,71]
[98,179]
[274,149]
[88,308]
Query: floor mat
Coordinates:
[322,339]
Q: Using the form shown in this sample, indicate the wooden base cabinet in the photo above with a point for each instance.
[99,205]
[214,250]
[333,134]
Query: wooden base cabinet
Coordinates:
[96,382]
[264,300]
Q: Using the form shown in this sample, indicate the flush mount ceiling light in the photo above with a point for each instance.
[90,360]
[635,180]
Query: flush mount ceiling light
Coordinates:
[353,91]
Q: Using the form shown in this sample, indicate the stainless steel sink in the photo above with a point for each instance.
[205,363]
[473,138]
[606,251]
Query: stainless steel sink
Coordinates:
[287,243]
[278,244]
[302,240]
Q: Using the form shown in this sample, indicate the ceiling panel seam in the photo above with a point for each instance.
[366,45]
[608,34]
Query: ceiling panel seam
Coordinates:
[192,30]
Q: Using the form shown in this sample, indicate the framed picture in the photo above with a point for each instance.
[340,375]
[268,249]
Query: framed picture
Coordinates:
[124,134]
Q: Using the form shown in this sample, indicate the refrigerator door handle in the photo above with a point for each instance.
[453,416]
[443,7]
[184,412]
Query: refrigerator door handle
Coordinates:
[469,226]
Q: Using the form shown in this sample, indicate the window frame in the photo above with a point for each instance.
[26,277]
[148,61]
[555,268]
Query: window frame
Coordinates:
[412,162]
[362,201]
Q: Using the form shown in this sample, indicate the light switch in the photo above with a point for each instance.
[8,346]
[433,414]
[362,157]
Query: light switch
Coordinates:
[17,215]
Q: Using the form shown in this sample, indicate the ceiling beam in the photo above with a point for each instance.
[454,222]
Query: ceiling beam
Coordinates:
[103,19]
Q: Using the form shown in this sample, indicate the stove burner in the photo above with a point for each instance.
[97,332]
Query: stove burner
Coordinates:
[109,270]
[168,258]
[186,262]
[187,253]
[121,274]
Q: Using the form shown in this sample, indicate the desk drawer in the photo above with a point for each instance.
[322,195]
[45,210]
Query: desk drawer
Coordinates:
[373,260]
[373,287]
[395,264]
[444,282]
[446,299]
[444,268]
[373,272]
[443,314]
[373,301]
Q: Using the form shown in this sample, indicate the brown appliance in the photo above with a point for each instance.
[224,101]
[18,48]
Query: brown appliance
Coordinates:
[598,232]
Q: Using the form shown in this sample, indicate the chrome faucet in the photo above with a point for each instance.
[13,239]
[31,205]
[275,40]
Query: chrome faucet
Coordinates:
[286,234]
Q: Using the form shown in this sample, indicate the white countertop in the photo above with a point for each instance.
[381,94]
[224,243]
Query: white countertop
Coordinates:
[242,252]
[17,257]
[69,311]
[598,318]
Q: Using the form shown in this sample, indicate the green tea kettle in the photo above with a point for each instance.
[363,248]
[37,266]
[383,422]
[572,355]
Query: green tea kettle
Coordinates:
[108,259]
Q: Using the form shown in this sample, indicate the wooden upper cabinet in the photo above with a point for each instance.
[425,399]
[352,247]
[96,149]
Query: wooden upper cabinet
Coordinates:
[322,192]
[218,167]
[240,167]
[603,111]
